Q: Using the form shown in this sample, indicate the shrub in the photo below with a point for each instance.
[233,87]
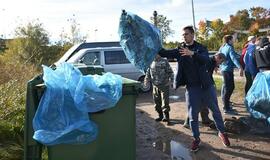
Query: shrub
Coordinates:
[12,100]
[13,80]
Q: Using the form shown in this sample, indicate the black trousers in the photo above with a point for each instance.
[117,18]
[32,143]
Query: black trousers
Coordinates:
[249,81]
[227,89]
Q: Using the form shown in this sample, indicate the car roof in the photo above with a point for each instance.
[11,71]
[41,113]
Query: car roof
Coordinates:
[99,44]
[95,45]
[101,49]
[85,45]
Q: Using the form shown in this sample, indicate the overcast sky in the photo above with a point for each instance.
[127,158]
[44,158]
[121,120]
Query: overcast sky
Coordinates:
[99,19]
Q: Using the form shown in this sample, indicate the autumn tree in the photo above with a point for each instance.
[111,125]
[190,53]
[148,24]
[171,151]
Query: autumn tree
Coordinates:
[217,27]
[202,31]
[240,21]
[31,46]
[261,18]
[258,12]
[30,43]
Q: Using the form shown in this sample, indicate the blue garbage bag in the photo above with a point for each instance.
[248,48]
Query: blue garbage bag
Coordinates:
[140,40]
[95,92]
[257,99]
[58,119]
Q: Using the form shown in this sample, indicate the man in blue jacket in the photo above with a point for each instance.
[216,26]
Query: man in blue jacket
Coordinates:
[192,72]
[227,68]
[250,64]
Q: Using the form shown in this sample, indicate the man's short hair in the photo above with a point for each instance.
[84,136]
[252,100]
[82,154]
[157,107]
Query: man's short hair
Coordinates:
[190,28]
[227,38]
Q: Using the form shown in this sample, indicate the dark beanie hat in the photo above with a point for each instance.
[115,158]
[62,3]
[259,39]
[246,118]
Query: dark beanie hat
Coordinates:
[263,41]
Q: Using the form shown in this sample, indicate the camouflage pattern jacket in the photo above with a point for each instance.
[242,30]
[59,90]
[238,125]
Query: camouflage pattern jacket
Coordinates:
[160,72]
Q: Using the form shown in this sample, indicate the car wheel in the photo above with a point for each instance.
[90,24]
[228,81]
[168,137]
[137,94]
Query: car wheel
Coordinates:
[145,88]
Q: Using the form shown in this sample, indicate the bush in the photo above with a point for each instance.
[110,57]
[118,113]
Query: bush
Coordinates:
[12,99]
[13,80]
[11,151]
[13,70]
[11,142]
[14,77]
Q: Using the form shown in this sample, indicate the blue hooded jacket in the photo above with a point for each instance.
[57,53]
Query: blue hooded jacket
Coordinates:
[231,58]
[250,65]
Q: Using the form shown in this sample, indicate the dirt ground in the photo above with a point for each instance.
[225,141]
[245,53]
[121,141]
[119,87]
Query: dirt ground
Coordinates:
[157,141]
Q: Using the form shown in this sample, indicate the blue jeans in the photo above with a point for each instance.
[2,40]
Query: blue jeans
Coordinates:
[227,89]
[196,98]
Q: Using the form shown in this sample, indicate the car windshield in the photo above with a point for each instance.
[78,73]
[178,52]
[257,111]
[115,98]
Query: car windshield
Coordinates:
[67,54]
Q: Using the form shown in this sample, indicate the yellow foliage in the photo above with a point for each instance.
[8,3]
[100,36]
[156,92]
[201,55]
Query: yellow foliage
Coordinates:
[202,27]
[217,24]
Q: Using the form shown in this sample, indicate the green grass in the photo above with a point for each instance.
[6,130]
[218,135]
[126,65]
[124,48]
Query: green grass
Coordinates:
[239,90]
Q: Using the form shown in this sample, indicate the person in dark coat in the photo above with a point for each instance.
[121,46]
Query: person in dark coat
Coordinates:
[262,55]
[214,63]
[193,58]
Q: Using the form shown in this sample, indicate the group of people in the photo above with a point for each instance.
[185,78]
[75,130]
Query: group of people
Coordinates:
[194,70]
[255,58]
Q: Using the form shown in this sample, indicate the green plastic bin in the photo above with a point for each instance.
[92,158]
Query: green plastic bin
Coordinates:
[116,137]
[89,69]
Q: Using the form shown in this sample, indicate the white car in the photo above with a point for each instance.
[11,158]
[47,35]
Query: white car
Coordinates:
[111,57]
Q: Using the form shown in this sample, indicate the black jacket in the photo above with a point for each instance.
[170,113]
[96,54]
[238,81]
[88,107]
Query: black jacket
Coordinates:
[211,67]
[262,54]
[191,71]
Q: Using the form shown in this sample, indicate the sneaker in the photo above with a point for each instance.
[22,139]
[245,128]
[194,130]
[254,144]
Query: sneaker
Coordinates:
[165,120]
[159,119]
[168,121]
[224,138]
[195,145]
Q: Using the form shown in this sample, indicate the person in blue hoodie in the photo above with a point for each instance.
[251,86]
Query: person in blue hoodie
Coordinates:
[193,58]
[227,69]
[250,64]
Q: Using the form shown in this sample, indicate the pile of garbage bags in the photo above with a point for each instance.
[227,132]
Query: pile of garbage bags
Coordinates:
[258,97]
[62,115]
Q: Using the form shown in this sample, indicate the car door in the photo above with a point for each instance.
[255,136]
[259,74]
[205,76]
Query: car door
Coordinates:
[115,61]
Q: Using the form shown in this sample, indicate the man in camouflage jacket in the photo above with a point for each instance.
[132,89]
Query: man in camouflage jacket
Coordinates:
[160,73]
